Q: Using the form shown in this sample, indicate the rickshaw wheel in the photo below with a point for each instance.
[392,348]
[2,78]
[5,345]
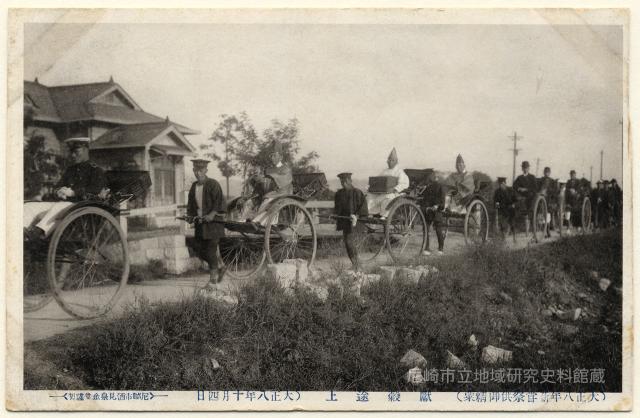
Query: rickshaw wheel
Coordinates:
[539,220]
[560,217]
[476,227]
[369,240]
[585,215]
[36,291]
[405,231]
[290,233]
[242,256]
[88,262]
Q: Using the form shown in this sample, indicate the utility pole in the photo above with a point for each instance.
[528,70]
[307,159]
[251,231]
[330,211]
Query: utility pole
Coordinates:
[515,150]
[591,174]
[537,165]
[601,159]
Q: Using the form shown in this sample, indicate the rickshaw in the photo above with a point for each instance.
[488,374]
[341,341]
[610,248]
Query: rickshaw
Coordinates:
[286,230]
[537,212]
[406,222]
[577,208]
[85,258]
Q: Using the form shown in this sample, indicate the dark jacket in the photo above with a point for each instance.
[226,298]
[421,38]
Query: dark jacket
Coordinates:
[85,179]
[349,202]
[432,195]
[212,201]
[504,201]
[527,181]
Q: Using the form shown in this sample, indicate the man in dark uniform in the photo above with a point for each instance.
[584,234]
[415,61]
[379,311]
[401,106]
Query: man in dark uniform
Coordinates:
[81,181]
[606,204]
[596,204]
[504,200]
[206,204]
[432,201]
[548,188]
[349,204]
[616,202]
[525,187]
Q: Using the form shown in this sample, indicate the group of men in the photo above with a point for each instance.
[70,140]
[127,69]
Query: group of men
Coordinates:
[606,199]
[350,203]
[206,205]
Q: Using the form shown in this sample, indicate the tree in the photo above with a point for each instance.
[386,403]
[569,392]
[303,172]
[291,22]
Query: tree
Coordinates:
[287,135]
[238,138]
[40,165]
[244,150]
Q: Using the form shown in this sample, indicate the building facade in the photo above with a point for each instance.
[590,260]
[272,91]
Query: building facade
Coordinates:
[123,136]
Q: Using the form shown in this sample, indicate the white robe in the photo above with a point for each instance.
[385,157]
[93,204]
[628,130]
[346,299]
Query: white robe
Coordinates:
[377,202]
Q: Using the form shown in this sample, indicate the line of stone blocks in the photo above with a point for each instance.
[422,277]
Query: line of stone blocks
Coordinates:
[171,250]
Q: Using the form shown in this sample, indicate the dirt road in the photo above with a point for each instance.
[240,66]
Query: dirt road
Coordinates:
[52,320]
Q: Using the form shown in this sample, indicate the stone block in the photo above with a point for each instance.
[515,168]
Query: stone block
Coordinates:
[388,272]
[409,274]
[494,355]
[453,362]
[155,254]
[302,268]
[604,284]
[413,359]
[178,266]
[176,253]
[285,273]
[148,243]
[171,241]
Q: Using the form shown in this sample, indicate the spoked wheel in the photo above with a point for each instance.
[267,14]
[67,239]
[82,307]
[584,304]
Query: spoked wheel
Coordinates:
[242,254]
[88,262]
[290,233]
[539,219]
[476,223]
[369,240]
[560,217]
[585,215]
[36,291]
[406,231]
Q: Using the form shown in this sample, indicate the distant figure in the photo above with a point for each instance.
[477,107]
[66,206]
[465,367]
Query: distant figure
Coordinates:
[504,200]
[432,201]
[572,196]
[597,199]
[349,202]
[377,202]
[616,199]
[547,187]
[460,187]
[525,187]
[206,203]
[81,181]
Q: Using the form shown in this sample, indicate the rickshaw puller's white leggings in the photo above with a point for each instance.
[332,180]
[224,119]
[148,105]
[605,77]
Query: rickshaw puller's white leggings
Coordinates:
[42,214]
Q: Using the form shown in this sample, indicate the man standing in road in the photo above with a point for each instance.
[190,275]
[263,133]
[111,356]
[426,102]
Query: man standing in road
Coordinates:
[205,204]
[432,201]
[504,200]
[349,205]
[525,187]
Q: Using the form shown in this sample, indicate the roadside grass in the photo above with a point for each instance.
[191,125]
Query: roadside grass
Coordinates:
[280,339]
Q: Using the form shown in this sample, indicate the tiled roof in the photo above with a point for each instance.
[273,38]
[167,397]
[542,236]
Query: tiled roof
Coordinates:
[39,95]
[73,103]
[132,136]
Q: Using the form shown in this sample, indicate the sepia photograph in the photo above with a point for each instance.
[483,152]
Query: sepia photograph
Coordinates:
[319,210]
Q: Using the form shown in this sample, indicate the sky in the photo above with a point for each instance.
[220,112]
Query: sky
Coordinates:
[430,91]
